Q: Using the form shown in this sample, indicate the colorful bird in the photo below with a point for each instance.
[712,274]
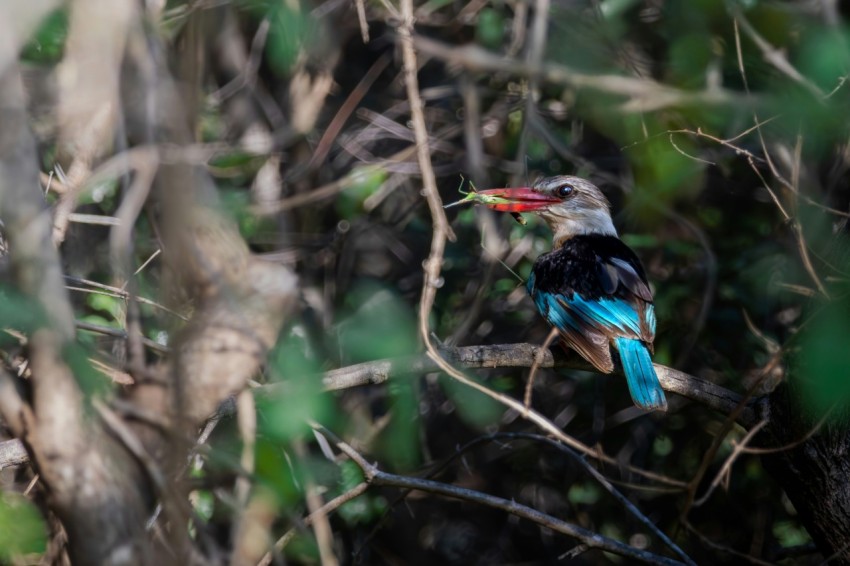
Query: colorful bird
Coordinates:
[592,286]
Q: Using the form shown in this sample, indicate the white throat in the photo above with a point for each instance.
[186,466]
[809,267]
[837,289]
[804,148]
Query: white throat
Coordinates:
[592,221]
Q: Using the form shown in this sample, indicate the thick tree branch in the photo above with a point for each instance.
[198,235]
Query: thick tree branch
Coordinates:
[73,453]
[12,453]
[523,356]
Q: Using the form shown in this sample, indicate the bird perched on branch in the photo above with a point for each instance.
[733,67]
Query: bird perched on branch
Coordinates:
[591,286]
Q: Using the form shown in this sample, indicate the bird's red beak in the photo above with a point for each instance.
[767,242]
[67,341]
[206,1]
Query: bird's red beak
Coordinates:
[520,199]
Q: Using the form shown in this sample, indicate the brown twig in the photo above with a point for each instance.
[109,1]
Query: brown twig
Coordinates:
[320,523]
[526,398]
[724,470]
[790,185]
[441,229]
[325,509]
[118,333]
[361,19]
[533,58]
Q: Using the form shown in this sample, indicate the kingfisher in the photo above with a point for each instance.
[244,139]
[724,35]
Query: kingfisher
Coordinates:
[591,286]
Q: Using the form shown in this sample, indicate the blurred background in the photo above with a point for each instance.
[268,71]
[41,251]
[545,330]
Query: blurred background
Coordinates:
[718,131]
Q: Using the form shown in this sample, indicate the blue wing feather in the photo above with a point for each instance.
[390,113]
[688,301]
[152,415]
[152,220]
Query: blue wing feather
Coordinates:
[607,313]
[616,318]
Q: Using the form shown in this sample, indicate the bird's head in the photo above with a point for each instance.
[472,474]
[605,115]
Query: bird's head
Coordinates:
[571,206]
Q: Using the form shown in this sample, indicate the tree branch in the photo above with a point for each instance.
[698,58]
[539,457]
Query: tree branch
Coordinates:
[523,356]
[520,355]
[645,95]
[374,476]
[12,453]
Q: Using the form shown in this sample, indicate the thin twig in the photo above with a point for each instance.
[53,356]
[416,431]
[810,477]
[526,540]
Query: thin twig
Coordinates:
[325,509]
[118,333]
[246,420]
[441,229]
[321,525]
[725,549]
[361,18]
[526,399]
[738,449]
[116,292]
[533,58]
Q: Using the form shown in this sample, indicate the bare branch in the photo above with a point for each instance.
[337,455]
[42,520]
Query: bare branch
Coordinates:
[645,95]
[524,356]
[374,476]
[441,228]
[12,453]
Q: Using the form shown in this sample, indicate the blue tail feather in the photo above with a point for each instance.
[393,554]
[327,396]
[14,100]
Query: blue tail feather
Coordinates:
[640,375]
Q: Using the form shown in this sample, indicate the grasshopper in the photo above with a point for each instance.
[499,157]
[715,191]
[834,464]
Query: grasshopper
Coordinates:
[487,198]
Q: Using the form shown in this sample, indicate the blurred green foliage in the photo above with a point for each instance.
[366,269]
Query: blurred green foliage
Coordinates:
[822,374]
[47,45]
[363,509]
[294,32]
[490,29]
[361,183]
[285,418]
[22,530]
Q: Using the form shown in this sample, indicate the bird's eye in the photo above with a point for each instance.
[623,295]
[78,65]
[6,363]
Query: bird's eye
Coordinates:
[564,191]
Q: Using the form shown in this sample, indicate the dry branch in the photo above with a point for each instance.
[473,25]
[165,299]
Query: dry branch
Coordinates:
[644,95]
[12,453]
[376,477]
[524,356]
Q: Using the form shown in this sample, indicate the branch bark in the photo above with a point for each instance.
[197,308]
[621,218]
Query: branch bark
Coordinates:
[523,356]
[95,488]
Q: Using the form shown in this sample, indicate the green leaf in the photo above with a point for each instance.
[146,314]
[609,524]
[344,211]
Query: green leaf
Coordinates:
[473,407]
[823,360]
[381,326]
[48,42]
[789,533]
[662,445]
[581,493]
[286,414]
[824,58]
[293,31]
[362,509]
[22,529]
[358,186]
[490,28]
[113,306]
